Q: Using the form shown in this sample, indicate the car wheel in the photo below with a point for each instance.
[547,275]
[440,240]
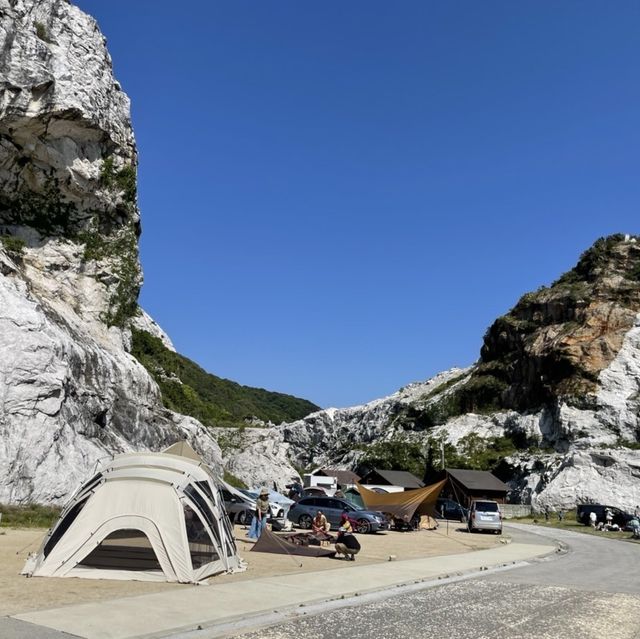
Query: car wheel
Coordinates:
[363,526]
[304,521]
[241,517]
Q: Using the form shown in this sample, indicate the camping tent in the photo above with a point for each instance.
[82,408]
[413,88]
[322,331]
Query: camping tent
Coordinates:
[145,516]
[403,505]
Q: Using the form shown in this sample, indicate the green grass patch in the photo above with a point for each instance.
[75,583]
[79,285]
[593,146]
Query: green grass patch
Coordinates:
[29,516]
[12,244]
[569,523]
[232,480]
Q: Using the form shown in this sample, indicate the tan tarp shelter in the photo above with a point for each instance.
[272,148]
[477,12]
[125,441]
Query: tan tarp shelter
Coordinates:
[403,505]
[145,516]
[285,545]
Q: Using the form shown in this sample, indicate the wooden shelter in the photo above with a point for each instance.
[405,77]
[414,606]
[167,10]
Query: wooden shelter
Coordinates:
[465,485]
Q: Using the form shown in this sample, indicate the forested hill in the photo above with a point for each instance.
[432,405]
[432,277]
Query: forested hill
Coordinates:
[188,389]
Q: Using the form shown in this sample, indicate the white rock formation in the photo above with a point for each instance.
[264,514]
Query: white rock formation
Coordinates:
[144,322]
[590,462]
[61,110]
[70,393]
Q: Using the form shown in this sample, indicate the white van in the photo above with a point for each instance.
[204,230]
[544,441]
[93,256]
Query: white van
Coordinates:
[328,484]
[485,515]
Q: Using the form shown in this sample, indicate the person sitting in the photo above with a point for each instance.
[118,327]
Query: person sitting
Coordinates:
[345,523]
[347,544]
[320,523]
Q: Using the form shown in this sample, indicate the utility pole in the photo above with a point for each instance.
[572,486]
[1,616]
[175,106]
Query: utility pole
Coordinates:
[442,453]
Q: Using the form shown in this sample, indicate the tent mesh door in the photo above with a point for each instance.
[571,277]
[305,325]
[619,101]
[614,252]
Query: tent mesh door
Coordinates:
[201,547]
[123,550]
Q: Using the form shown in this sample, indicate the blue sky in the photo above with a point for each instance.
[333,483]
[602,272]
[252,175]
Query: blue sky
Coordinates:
[339,198]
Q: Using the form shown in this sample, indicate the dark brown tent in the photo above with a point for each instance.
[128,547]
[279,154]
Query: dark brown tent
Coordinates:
[268,542]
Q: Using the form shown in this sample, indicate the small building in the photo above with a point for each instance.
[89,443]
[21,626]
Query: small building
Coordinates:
[390,481]
[345,478]
[465,485]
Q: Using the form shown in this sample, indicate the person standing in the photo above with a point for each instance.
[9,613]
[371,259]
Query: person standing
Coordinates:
[593,518]
[261,515]
[608,516]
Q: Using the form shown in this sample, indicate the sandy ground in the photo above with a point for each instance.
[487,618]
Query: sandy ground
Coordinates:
[19,594]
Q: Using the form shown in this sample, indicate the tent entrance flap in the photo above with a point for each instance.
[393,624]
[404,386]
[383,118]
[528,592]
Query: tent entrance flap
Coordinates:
[122,550]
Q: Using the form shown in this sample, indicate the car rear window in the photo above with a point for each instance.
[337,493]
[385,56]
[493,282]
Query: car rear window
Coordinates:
[487,506]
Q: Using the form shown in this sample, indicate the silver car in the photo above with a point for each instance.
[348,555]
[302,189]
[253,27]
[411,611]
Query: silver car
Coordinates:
[485,515]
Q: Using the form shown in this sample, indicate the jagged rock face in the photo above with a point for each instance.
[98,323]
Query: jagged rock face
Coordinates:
[71,398]
[555,342]
[71,395]
[61,115]
[257,456]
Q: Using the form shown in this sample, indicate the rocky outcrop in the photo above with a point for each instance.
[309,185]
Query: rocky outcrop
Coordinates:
[62,115]
[71,397]
[558,384]
[555,342]
[70,393]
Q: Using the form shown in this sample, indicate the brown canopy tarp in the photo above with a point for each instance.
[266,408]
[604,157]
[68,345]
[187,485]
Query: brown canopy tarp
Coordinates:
[403,505]
[269,542]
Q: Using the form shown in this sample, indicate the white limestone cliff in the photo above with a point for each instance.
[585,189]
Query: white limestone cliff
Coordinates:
[70,393]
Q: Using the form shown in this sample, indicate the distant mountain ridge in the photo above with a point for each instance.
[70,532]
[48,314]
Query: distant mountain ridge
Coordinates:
[188,389]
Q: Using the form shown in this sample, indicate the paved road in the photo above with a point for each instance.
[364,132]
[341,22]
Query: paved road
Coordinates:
[591,592]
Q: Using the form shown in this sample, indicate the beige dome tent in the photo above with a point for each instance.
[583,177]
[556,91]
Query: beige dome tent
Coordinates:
[145,516]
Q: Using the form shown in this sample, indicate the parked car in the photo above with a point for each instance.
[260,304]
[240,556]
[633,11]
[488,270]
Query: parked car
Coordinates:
[366,521]
[619,516]
[314,491]
[485,515]
[449,509]
[240,508]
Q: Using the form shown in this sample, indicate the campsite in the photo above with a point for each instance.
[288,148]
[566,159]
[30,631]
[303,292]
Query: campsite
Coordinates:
[21,594]
[148,521]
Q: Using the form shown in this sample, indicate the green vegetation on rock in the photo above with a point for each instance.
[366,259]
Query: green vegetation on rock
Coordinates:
[12,244]
[232,480]
[41,32]
[122,180]
[46,212]
[188,389]
[395,454]
[425,459]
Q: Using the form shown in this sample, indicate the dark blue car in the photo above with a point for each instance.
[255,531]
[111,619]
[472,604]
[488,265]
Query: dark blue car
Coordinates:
[366,521]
